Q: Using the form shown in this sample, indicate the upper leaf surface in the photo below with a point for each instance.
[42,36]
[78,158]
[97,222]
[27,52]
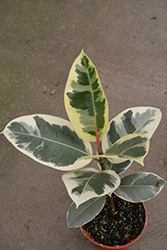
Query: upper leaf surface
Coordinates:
[49,140]
[85,101]
[140,187]
[77,217]
[129,147]
[87,183]
[140,120]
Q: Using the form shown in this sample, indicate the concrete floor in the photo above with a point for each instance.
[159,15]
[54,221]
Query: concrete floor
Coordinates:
[39,40]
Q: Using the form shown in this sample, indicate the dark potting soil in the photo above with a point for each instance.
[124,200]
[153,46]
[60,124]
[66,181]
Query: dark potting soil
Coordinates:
[124,227]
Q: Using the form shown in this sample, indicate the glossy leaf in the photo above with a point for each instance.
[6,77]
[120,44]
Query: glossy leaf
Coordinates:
[118,167]
[87,183]
[130,147]
[85,101]
[49,140]
[141,120]
[77,217]
[140,187]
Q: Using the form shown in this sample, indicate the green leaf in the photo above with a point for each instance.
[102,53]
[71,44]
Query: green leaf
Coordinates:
[49,140]
[129,147]
[119,167]
[87,183]
[140,120]
[77,217]
[140,187]
[85,101]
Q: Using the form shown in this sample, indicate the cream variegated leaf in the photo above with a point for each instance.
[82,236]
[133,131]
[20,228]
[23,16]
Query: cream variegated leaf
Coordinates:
[130,147]
[140,187]
[87,183]
[140,120]
[85,101]
[49,140]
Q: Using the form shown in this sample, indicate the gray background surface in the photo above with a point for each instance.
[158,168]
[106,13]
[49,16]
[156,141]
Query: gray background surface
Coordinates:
[39,40]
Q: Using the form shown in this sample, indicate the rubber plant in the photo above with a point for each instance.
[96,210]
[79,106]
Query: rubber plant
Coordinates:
[65,145]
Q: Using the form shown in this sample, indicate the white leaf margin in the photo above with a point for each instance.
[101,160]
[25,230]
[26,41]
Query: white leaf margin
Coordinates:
[79,163]
[148,130]
[72,183]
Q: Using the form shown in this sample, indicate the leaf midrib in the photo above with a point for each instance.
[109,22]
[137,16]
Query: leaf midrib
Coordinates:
[56,142]
[85,209]
[84,188]
[143,123]
[93,103]
[134,186]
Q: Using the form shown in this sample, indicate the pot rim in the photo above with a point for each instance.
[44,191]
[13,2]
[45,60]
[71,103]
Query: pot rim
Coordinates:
[117,247]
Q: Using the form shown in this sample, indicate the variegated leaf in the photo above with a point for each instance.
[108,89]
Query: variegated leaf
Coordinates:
[87,183]
[129,147]
[85,101]
[118,167]
[49,140]
[141,120]
[77,217]
[140,187]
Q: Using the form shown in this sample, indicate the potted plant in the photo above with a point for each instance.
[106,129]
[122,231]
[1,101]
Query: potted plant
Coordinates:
[65,145]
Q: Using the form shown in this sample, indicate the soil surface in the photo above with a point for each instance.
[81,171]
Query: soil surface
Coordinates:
[124,227]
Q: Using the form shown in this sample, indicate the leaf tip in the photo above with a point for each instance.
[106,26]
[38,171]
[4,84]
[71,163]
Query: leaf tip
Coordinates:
[2,132]
[141,161]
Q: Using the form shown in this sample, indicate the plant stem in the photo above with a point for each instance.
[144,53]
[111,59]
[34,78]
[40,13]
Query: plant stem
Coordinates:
[112,206]
[102,163]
